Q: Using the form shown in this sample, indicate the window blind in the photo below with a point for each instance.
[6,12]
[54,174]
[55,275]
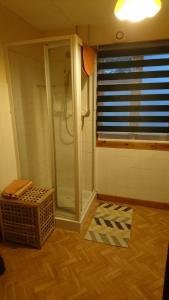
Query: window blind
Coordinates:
[133,88]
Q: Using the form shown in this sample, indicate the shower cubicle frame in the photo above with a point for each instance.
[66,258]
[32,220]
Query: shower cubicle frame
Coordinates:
[75,47]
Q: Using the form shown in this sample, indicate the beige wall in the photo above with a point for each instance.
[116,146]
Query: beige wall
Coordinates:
[151,29]
[130,173]
[12,28]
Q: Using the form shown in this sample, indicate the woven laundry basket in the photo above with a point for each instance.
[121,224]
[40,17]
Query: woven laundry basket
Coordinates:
[29,220]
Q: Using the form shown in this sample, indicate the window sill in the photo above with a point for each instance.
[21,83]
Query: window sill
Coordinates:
[139,145]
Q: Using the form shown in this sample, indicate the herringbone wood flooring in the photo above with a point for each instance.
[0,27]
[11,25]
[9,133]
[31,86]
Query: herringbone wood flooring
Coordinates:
[70,267]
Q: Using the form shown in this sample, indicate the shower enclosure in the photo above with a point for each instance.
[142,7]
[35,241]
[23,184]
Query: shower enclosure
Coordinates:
[52,103]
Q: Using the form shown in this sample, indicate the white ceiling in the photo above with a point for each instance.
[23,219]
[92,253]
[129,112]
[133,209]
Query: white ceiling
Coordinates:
[52,14]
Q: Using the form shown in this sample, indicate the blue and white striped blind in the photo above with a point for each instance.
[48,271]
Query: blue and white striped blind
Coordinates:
[133,88]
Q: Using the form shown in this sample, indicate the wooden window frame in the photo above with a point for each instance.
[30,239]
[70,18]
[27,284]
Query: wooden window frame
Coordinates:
[138,145]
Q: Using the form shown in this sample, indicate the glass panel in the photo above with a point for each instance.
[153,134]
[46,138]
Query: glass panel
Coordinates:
[63,122]
[30,107]
[87,142]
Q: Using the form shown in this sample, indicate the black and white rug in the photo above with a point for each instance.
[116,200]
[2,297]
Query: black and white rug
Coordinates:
[111,225]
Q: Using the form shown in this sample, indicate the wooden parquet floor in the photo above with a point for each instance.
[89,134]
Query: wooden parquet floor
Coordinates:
[70,267]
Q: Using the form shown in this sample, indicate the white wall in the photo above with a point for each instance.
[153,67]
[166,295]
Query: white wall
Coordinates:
[138,174]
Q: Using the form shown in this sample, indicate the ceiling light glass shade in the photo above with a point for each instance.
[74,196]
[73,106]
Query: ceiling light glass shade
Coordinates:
[136,10]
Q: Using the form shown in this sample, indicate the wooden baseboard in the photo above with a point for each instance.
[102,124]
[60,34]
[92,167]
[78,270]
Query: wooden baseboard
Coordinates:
[130,201]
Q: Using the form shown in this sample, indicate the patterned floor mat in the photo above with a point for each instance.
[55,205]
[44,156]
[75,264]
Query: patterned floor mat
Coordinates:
[111,225]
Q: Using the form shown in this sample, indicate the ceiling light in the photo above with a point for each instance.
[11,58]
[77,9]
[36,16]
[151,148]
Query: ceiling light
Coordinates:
[136,10]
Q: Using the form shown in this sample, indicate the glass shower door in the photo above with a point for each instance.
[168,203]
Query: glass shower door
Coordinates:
[53,146]
[27,76]
[62,115]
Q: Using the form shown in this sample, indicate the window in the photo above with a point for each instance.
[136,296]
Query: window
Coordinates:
[133,91]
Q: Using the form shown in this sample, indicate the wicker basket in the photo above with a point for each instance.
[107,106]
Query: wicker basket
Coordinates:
[29,219]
